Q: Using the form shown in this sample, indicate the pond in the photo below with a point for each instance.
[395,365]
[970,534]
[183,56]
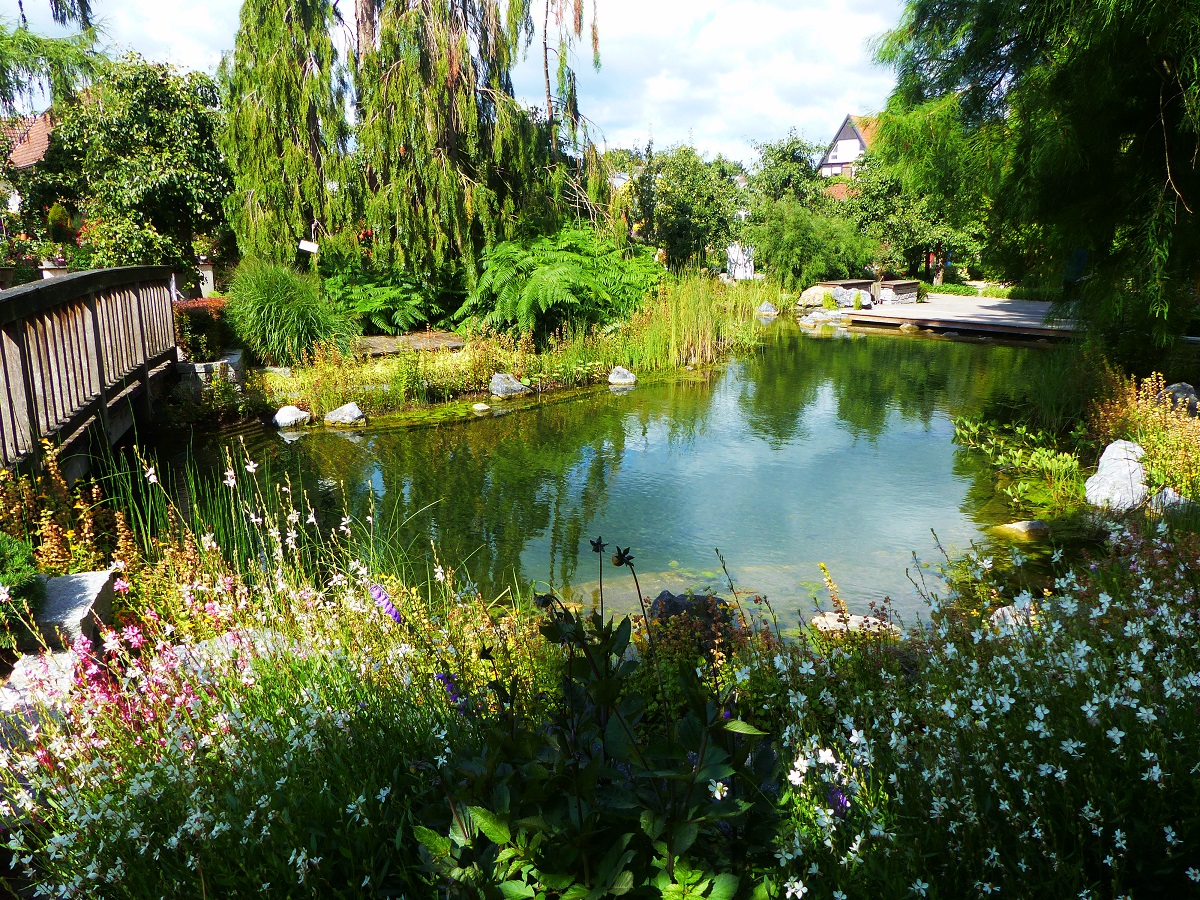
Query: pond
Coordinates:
[834,450]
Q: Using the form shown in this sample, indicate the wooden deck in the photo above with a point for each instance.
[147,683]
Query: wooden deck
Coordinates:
[970,315]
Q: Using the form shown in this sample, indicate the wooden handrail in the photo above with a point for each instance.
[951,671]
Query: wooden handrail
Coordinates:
[75,348]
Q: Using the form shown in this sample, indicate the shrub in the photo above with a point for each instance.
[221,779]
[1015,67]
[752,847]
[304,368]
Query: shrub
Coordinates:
[280,314]
[21,590]
[828,301]
[959,290]
[1145,413]
[201,329]
[574,278]
[801,248]
[1025,292]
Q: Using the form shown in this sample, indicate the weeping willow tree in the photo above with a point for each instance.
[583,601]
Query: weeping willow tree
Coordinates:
[286,131]
[450,162]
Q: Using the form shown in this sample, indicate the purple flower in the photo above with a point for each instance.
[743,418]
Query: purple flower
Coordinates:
[838,801]
[447,681]
[380,596]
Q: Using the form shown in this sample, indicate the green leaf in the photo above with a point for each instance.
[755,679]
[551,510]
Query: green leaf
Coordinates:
[493,827]
[516,890]
[437,844]
[684,837]
[737,726]
[622,884]
[724,887]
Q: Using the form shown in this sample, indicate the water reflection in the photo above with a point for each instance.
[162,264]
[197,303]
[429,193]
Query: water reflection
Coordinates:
[811,450]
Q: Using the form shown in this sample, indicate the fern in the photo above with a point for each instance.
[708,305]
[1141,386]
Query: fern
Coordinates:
[573,278]
[388,304]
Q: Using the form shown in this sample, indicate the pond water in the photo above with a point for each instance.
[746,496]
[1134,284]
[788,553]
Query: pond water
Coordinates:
[834,450]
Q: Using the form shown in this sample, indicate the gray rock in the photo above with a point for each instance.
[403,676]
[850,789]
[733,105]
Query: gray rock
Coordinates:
[1183,396]
[831,621]
[480,407]
[291,416]
[910,328]
[767,309]
[1011,617]
[1170,500]
[621,375]
[505,385]
[33,695]
[1120,480]
[814,296]
[887,295]
[1028,530]
[349,414]
[75,606]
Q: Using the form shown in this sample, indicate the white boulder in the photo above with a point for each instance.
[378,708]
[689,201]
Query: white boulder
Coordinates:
[1120,480]
[291,417]
[621,375]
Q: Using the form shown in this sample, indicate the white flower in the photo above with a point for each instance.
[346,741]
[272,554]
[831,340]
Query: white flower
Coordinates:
[718,789]
[230,478]
[1172,840]
[151,475]
[795,888]
[439,573]
[742,675]
[825,757]
[1193,873]
[383,794]
[918,887]
[251,466]
[1115,734]
[209,542]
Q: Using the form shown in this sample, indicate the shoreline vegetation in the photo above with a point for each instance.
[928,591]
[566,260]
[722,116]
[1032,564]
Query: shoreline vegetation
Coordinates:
[689,321]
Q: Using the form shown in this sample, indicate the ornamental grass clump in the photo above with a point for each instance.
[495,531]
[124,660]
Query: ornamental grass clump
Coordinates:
[1052,753]
[281,315]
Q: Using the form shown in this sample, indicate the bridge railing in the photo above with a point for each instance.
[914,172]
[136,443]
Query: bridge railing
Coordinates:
[76,349]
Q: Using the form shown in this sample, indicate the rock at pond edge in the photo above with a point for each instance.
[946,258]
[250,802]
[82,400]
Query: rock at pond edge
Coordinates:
[1028,530]
[504,385]
[349,414]
[291,416]
[620,375]
[1120,480]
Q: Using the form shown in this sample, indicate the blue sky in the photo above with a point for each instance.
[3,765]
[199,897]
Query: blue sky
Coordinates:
[720,74]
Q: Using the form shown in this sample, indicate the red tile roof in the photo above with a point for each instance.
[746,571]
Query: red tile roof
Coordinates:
[839,190]
[867,126]
[30,138]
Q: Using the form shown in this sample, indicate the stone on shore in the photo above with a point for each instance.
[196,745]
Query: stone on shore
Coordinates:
[621,375]
[1119,484]
[76,605]
[346,415]
[814,296]
[1027,530]
[505,385]
[767,310]
[480,407]
[291,417]
[1183,396]
[1170,500]
[910,328]
[832,621]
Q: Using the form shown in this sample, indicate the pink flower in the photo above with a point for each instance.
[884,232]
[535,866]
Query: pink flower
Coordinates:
[133,637]
[121,586]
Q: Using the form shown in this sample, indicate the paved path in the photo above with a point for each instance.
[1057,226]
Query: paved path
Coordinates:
[974,314]
[385,345]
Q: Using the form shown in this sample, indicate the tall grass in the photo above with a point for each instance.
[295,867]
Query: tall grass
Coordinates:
[690,321]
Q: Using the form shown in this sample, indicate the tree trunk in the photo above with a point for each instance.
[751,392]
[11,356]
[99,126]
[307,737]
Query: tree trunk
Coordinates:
[939,266]
[366,21]
[546,72]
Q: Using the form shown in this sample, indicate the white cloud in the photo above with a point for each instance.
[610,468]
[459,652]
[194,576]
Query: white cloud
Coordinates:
[719,73]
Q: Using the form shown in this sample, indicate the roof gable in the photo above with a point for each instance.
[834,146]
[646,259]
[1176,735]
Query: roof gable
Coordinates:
[30,138]
[860,128]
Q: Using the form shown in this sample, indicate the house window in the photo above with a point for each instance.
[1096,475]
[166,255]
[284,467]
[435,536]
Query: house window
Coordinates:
[837,170]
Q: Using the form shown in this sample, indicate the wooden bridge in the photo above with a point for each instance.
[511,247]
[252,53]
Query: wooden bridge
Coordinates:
[79,353]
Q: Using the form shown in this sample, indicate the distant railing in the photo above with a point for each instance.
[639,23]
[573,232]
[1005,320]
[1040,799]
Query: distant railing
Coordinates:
[78,349]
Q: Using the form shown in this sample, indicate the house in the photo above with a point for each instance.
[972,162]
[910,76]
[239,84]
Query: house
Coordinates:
[28,138]
[853,139]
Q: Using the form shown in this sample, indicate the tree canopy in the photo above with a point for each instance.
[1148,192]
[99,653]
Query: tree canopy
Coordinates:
[1099,101]
[137,157]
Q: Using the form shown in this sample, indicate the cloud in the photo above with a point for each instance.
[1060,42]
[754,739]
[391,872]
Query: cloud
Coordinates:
[721,74]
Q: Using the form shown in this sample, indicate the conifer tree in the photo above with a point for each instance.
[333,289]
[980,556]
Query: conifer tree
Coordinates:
[286,130]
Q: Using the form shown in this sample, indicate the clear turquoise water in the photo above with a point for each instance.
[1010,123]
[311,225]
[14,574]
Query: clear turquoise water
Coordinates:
[834,450]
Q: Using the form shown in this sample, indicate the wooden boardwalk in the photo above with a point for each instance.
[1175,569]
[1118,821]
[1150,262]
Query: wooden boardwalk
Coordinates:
[970,315]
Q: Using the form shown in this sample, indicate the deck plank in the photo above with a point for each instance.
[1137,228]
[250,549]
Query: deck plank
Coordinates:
[979,314]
